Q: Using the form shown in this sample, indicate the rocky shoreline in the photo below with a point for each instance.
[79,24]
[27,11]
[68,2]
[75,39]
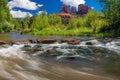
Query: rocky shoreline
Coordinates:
[44,41]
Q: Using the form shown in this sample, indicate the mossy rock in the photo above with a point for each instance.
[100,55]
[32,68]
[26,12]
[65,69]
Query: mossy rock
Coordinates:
[89,43]
[54,47]
[28,46]
[37,46]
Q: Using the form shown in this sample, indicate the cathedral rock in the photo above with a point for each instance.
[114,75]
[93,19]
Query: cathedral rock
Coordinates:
[66,11]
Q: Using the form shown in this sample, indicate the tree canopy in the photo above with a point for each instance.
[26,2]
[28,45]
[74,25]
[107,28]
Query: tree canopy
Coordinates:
[5,17]
[111,10]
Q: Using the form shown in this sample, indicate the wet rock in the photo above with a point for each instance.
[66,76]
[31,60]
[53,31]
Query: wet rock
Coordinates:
[20,41]
[27,45]
[32,41]
[71,41]
[50,51]
[53,54]
[27,48]
[72,57]
[37,48]
[96,50]
[46,41]
[54,47]
[89,43]
[3,42]
[75,42]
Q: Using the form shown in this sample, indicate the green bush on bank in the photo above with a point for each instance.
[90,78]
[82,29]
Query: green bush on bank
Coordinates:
[6,27]
[89,25]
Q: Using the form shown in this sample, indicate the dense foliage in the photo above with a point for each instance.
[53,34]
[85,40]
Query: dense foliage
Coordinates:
[111,10]
[52,24]
[5,17]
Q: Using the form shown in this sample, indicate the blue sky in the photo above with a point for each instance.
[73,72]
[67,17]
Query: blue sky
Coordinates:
[19,8]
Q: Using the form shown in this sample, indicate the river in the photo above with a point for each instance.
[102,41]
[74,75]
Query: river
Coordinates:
[95,59]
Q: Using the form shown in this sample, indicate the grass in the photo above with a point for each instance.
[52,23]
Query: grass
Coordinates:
[82,31]
[58,32]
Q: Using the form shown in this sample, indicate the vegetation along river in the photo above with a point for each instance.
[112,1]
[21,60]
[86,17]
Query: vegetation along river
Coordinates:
[89,59]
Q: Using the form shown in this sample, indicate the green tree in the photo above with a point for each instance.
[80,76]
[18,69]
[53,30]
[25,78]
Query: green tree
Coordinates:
[111,9]
[41,21]
[5,17]
[54,19]
[4,11]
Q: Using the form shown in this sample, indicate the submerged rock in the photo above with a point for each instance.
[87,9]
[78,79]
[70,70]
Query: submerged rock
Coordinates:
[51,52]
[27,46]
[37,48]
[89,43]
[71,57]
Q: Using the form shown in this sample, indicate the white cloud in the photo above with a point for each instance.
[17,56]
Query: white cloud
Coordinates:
[19,14]
[74,3]
[40,5]
[92,7]
[40,12]
[26,4]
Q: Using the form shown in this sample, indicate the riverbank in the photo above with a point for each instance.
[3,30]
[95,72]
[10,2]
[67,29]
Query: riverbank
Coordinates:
[83,32]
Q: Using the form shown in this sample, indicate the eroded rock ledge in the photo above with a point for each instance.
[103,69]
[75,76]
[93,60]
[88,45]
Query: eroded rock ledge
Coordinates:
[44,41]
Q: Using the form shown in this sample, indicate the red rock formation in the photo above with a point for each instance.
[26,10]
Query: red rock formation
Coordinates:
[65,9]
[65,15]
[83,9]
[73,10]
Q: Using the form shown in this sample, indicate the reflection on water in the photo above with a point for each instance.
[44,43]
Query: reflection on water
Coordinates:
[18,36]
[15,36]
[98,61]
[5,37]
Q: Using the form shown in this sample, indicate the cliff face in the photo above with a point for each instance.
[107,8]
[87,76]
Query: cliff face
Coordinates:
[66,11]
[82,9]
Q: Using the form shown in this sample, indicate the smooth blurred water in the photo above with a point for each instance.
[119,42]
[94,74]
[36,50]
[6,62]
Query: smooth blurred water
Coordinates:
[99,61]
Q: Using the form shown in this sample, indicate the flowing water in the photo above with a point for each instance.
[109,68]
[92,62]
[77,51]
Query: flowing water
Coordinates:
[94,59]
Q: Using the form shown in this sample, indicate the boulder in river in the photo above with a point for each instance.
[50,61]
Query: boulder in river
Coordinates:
[37,49]
[89,43]
[32,41]
[2,42]
[71,41]
[20,41]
